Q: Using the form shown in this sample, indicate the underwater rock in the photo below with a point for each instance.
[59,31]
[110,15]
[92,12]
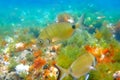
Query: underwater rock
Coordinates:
[22,68]
[3,69]
[116,75]
[53,72]
[2,76]
[12,76]
[18,45]
[9,39]
[23,55]
[50,54]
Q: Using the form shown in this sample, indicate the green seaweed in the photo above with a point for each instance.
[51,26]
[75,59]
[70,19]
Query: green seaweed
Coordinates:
[81,38]
[12,65]
[51,78]
[104,71]
[29,57]
[106,33]
[68,77]
[77,39]
[116,57]
[23,75]
[67,55]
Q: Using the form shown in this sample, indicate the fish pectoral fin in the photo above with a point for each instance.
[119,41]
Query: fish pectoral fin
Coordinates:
[47,42]
[87,76]
[92,67]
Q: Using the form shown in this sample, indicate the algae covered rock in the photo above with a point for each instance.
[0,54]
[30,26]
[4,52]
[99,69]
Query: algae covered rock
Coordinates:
[104,71]
[12,76]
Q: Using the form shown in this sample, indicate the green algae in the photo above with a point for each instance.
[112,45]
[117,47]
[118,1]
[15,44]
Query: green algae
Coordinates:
[107,35]
[103,33]
[116,57]
[68,77]
[104,71]
[23,75]
[81,38]
[29,57]
[77,39]
[67,55]
[12,65]
[51,78]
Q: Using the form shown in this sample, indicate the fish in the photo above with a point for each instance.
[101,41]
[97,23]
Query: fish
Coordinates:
[80,67]
[64,17]
[58,32]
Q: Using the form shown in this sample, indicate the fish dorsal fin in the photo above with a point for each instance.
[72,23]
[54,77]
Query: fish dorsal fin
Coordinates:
[80,21]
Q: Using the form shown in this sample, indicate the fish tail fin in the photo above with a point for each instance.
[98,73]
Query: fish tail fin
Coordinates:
[62,72]
[80,21]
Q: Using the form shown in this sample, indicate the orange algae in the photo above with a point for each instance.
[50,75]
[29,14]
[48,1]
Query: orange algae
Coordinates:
[117,79]
[94,50]
[31,68]
[35,68]
[102,55]
[46,73]
[3,43]
[53,63]
[38,63]
[37,53]
[56,47]
[23,62]
[29,77]
[6,58]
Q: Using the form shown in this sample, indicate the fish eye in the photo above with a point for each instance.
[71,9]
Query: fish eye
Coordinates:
[73,26]
[41,41]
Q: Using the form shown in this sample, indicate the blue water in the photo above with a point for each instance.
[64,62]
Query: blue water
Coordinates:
[23,13]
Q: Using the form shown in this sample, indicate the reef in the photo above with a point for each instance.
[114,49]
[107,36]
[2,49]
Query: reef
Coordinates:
[23,58]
